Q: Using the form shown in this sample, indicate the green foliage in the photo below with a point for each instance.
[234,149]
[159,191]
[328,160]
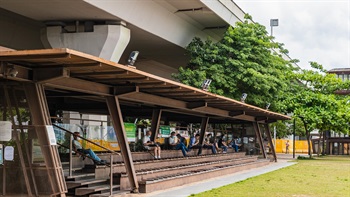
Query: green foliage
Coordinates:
[244,61]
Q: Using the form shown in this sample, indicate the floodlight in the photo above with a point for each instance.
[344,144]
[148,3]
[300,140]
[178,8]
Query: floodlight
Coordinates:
[244,96]
[132,58]
[268,105]
[205,84]
[12,72]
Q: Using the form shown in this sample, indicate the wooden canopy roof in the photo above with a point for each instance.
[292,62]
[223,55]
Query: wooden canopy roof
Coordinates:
[83,75]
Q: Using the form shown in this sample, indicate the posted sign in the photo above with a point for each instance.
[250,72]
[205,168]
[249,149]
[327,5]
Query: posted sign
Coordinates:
[5,130]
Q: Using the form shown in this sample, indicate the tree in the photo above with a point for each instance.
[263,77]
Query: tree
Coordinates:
[314,101]
[244,61]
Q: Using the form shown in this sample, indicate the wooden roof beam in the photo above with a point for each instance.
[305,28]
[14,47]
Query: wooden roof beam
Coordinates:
[80,85]
[43,75]
[237,113]
[100,73]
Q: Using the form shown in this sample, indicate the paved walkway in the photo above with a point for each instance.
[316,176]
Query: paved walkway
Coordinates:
[284,160]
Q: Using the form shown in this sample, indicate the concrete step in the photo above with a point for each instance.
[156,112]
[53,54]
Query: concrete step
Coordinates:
[160,183]
[107,194]
[78,183]
[79,175]
[93,189]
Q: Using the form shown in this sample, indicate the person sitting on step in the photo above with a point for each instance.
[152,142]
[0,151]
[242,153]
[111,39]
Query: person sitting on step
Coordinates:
[209,143]
[194,144]
[77,147]
[172,141]
[150,145]
[222,144]
[180,145]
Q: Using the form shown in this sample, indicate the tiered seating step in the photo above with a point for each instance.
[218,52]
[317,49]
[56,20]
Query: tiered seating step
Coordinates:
[93,189]
[164,182]
[147,174]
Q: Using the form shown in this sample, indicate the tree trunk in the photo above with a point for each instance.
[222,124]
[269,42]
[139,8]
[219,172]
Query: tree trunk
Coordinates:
[308,138]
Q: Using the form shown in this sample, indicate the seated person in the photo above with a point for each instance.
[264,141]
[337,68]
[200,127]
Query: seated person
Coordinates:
[172,141]
[150,145]
[235,143]
[180,145]
[222,144]
[195,144]
[209,143]
[79,149]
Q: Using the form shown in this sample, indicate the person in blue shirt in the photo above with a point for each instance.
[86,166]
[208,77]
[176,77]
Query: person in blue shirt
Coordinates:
[194,144]
[181,144]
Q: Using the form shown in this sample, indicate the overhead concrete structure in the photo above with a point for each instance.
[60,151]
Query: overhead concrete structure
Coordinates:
[159,29]
[105,41]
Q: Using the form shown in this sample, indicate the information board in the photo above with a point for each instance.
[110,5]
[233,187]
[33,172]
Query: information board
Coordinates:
[5,130]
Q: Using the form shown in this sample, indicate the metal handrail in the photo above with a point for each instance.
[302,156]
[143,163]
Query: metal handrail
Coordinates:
[70,155]
[109,150]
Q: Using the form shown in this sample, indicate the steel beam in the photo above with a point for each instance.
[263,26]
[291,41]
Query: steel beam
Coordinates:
[118,125]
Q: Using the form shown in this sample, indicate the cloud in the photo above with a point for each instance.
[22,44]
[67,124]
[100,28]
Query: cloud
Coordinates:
[311,30]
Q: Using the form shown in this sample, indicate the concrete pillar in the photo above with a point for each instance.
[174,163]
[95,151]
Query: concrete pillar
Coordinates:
[105,41]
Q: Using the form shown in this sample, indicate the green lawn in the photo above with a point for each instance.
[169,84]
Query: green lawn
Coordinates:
[322,177]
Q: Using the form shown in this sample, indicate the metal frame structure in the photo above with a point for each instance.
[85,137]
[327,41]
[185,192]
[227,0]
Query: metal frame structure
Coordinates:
[103,86]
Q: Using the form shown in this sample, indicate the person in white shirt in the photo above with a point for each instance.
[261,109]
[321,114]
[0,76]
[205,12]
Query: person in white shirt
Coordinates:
[172,141]
[150,145]
[79,149]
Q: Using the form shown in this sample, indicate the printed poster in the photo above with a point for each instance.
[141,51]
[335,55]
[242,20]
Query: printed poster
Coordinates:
[51,134]
[5,130]
[130,129]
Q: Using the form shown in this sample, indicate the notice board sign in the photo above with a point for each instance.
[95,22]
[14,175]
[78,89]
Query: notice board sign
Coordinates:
[9,153]
[5,130]
[51,134]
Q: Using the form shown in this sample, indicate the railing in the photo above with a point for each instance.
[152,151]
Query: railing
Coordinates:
[70,148]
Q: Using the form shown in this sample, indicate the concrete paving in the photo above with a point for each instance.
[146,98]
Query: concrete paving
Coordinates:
[283,160]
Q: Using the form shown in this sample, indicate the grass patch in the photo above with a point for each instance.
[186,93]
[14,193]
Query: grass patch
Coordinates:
[327,176]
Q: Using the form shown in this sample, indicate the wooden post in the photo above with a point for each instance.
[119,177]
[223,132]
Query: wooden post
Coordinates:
[118,125]
[37,103]
[25,143]
[156,115]
[204,125]
[258,135]
[18,144]
[269,136]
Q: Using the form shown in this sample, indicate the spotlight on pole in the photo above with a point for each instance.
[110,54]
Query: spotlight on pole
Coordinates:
[243,97]
[205,84]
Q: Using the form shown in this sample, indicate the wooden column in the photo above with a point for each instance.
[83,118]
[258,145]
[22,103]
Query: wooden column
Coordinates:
[39,110]
[156,115]
[259,136]
[204,125]
[269,136]
[18,144]
[118,125]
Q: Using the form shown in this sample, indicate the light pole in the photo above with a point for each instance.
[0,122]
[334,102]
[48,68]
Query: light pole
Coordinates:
[273,23]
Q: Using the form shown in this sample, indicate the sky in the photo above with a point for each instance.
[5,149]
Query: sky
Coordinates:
[312,30]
